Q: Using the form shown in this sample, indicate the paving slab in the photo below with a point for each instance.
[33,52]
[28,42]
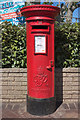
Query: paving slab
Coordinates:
[19,110]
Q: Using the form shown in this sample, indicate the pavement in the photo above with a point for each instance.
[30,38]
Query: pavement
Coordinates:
[19,110]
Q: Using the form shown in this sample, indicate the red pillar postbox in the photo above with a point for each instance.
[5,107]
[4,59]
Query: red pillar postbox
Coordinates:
[40,58]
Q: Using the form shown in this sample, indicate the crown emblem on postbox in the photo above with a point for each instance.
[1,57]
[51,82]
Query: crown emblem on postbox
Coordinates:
[40,70]
[40,78]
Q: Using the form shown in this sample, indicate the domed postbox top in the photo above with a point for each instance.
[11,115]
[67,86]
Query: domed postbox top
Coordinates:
[37,11]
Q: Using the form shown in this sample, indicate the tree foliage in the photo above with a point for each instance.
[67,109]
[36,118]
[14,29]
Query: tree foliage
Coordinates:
[68,8]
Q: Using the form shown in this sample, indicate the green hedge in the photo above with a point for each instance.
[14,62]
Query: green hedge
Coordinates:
[13,45]
[67,44]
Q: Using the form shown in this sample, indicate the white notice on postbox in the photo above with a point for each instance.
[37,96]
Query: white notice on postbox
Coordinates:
[40,44]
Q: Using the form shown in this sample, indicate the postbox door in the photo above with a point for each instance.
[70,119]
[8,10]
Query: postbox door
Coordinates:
[41,63]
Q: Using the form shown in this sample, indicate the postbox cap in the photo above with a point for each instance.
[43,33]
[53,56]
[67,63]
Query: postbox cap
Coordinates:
[47,11]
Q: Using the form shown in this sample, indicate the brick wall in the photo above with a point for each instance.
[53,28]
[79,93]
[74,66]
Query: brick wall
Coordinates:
[14,84]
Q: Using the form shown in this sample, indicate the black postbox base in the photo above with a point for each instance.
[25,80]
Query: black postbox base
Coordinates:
[41,106]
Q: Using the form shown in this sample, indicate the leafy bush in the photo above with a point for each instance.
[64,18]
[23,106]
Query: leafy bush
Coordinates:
[13,45]
[67,45]
[67,37]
